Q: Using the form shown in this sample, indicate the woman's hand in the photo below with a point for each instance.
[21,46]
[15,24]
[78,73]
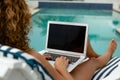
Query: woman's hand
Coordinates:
[61,63]
[46,56]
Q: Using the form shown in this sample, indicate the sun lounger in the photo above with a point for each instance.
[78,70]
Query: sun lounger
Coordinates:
[11,69]
[17,65]
[118,30]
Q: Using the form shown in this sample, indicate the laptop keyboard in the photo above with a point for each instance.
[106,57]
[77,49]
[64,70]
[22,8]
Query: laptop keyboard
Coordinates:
[54,56]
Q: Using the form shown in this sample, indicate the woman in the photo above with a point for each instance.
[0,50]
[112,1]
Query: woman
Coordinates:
[14,28]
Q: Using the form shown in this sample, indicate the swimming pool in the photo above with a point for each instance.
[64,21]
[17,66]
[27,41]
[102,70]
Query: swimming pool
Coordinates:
[102,24]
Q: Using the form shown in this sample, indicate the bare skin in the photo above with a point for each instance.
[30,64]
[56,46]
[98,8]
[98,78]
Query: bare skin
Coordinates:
[61,66]
[79,73]
[93,64]
[90,52]
[47,56]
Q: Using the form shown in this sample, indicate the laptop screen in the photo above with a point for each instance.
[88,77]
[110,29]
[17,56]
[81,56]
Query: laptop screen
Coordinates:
[66,37]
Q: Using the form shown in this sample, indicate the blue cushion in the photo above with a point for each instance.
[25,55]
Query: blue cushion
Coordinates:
[15,53]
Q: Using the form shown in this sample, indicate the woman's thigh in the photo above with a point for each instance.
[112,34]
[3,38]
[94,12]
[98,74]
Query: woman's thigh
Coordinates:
[85,70]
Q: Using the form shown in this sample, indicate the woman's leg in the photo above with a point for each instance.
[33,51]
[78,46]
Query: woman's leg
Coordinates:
[90,51]
[86,70]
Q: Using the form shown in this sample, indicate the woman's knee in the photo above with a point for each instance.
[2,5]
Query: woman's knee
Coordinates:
[94,62]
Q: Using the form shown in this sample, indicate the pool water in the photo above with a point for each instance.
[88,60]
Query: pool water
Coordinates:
[102,24]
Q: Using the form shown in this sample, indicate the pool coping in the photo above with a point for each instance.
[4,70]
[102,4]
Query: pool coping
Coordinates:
[118,30]
[116,10]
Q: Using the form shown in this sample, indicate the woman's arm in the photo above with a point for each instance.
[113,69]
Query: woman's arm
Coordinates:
[61,64]
[56,75]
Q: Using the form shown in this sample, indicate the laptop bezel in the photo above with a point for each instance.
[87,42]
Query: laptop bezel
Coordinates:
[62,51]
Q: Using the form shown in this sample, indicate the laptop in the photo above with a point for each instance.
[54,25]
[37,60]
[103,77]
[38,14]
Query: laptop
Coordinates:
[67,39]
